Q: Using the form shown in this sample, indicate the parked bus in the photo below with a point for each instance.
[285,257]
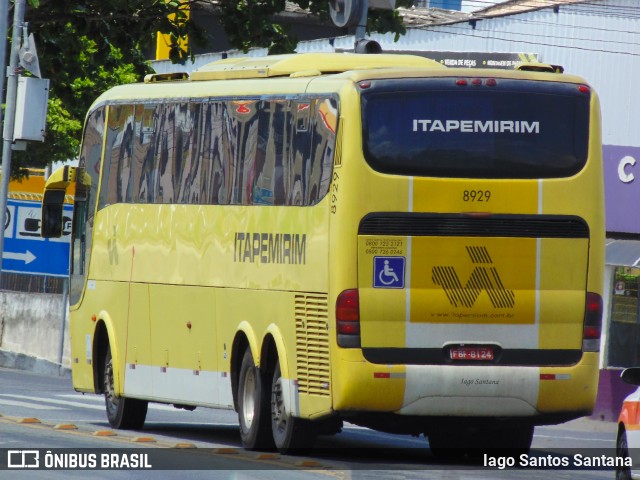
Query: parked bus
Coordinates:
[317,238]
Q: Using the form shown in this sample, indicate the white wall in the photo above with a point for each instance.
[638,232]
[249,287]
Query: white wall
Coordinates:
[31,324]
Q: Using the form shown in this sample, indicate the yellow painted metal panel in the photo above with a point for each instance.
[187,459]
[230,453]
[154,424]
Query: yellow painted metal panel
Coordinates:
[563,280]
[183,327]
[581,381]
[356,386]
[476,195]
[280,65]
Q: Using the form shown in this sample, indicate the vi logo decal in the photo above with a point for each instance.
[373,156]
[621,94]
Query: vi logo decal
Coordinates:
[484,277]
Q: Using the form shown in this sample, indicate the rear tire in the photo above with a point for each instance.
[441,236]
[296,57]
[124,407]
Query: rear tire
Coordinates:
[122,413]
[446,445]
[292,435]
[451,444]
[512,441]
[253,406]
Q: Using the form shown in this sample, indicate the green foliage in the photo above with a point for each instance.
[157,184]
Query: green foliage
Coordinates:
[88,46]
[84,48]
[250,23]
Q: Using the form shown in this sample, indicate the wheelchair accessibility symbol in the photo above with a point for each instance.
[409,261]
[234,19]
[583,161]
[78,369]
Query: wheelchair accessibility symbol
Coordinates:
[388,272]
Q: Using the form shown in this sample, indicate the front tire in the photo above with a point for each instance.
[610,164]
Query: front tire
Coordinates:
[122,413]
[622,450]
[291,434]
[253,406]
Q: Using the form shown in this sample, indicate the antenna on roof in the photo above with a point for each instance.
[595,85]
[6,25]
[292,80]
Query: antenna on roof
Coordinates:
[354,13]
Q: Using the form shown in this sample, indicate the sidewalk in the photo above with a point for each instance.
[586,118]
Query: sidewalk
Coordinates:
[20,361]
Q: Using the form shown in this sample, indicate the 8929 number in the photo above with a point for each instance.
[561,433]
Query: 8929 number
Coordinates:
[476,195]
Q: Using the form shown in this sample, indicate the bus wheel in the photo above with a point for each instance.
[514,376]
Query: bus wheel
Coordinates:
[622,450]
[513,441]
[446,445]
[123,413]
[291,434]
[253,406]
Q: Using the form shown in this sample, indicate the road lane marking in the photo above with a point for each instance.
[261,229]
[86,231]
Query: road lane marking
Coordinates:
[92,403]
[50,401]
[585,438]
[31,406]
[100,399]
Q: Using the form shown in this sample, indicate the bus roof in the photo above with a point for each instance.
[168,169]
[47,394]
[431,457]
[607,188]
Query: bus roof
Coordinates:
[295,73]
[305,64]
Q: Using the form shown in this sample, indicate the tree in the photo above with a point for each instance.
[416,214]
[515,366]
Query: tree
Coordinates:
[250,23]
[88,46]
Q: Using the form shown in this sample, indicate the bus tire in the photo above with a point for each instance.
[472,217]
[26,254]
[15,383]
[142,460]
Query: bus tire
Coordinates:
[253,406]
[292,435]
[622,450]
[122,413]
[513,441]
[446,445]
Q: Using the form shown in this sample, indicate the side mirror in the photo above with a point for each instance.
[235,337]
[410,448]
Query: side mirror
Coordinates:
[631,375]
[52,209]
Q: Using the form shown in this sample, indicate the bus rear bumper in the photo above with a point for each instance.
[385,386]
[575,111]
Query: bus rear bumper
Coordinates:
[466,390]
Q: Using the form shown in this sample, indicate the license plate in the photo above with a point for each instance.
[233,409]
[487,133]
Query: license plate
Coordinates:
[471,353]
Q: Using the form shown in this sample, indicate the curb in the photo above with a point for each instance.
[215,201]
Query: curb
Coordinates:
[20,361]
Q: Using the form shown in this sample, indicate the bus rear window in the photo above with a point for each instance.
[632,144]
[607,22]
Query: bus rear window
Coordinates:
[514,129]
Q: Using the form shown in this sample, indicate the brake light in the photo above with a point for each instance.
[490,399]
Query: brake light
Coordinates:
[477,82]
[592,323]
[348,319]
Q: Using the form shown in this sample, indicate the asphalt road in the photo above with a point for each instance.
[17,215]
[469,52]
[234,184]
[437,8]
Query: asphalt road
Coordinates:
[44,414]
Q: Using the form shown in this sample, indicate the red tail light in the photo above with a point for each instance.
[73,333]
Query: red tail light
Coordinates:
[348,319]
[592,323]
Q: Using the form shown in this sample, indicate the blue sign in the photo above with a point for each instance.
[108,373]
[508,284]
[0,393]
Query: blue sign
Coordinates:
[388,272]
[25,251]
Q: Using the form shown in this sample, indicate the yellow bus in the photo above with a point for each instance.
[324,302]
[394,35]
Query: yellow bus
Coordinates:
[317,238]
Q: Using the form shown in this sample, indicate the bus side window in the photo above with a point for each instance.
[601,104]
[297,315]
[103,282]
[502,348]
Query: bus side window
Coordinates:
[143,148]
[184,168]
[219,178]
[165,155]
[116,170]
[318,171]
[191,180]
[274,138]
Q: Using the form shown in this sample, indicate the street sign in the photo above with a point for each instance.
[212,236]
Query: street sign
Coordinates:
[25,251]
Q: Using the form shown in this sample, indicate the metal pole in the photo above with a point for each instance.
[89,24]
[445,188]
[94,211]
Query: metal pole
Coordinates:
[4,16]
[9,119]
[361,28]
